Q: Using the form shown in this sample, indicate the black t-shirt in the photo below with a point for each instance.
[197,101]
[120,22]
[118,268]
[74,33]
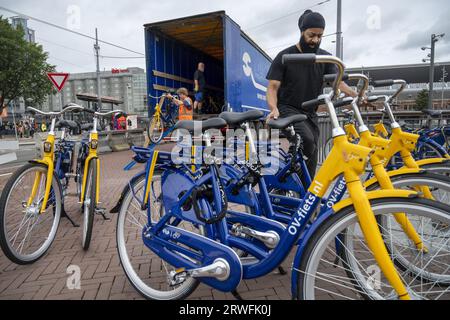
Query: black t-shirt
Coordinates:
[200,77]
[299,83]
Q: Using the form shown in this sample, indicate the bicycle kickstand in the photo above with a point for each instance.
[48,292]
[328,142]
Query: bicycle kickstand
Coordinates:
[65,215]
[102,212]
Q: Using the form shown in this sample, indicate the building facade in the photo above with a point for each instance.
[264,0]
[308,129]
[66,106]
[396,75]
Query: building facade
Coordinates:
[128,85]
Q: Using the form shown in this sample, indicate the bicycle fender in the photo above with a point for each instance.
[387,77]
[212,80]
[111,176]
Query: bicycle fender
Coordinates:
[377,194]
[424,162]
[392,174]
[125,190]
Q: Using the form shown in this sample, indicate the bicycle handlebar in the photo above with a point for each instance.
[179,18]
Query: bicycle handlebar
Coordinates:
[99,114]
[383,83]
[311,59]
[68,108]
[388,83]
[328,78]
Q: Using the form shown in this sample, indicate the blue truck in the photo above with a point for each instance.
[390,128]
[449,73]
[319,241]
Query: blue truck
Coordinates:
[236,67]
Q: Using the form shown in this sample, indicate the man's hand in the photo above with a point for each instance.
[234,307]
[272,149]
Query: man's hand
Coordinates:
[274,115]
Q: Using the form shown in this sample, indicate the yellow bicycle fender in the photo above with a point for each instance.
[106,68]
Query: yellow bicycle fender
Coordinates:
[83,186]
[424,162]
[393,173]
[378,194]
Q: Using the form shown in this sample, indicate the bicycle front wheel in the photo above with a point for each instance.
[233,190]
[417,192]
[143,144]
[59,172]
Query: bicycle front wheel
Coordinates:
[89,203]
[337,263]
[155,130]
[25,233]
[148,273]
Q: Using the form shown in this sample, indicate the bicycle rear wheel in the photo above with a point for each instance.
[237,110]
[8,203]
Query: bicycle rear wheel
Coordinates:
[25,233]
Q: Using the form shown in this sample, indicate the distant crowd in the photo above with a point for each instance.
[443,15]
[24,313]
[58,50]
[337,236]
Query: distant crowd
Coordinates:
[25,129]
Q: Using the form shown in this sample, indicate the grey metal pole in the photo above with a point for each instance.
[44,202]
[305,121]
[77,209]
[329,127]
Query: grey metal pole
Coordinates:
[430,95]
[444,76]
[97,49]
[339,30]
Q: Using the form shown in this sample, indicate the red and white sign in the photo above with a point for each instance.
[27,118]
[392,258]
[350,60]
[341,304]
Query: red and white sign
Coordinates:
[120,71]
[58,80]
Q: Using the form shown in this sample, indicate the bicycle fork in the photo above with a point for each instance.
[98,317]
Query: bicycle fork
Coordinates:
[372,234]
[350,160]
[48,162]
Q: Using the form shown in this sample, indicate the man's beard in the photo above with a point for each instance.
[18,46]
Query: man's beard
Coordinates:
[306,47]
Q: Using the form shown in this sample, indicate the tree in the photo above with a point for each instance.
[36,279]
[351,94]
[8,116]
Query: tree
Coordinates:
[23,67]
[422,100]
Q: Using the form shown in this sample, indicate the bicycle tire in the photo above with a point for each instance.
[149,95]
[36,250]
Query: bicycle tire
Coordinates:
[89,204]
[160,126]
[335,226]
[12,254]
[139,284]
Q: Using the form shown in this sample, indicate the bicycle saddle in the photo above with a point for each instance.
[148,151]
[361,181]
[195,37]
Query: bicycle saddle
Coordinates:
[284,123]
[433,113]
[234,118]
[87,126]
[68,124]
[191,126]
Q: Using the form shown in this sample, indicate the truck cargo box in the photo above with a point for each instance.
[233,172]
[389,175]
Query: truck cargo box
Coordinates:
[235,67]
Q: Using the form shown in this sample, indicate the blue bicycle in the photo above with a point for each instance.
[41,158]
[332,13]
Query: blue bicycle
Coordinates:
[176,229]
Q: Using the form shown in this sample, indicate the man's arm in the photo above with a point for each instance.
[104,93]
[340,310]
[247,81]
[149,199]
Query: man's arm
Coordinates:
[196,86]
[347,90]
[272,99]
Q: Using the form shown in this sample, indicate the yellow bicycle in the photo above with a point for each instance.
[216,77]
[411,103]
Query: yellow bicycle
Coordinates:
[32,201]
[163,118]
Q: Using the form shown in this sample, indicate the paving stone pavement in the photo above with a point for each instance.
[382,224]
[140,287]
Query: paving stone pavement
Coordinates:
[102,276]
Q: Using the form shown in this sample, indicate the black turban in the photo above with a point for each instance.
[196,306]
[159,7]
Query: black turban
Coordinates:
[310,20]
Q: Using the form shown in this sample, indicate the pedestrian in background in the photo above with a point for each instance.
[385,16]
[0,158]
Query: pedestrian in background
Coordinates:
[199,87]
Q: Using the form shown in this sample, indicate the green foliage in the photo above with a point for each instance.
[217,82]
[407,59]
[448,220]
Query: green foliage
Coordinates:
[422,100]
[23,67]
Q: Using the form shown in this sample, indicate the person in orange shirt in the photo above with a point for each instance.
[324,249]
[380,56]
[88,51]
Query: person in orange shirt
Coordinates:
[184,103]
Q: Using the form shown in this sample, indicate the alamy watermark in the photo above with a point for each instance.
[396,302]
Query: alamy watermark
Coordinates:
[74,280]
[73,21]
[373,17]
[235,147]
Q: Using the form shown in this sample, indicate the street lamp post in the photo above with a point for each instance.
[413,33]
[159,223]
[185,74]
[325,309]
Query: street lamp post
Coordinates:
[434,38]
[444,76]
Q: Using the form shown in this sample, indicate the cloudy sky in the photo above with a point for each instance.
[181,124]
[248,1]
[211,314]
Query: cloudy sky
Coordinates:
[376,32]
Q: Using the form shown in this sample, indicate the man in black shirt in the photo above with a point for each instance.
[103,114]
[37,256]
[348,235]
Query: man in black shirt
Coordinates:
[292,85]
[199,87]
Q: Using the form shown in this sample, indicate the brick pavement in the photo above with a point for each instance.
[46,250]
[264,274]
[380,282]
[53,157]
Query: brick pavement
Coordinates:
[102,276]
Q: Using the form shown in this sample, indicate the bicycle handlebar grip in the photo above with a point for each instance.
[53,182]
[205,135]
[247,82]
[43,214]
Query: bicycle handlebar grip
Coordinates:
[302,58]
[312,103]
[383,83]
[332,77]
[343,103]
[372,99]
